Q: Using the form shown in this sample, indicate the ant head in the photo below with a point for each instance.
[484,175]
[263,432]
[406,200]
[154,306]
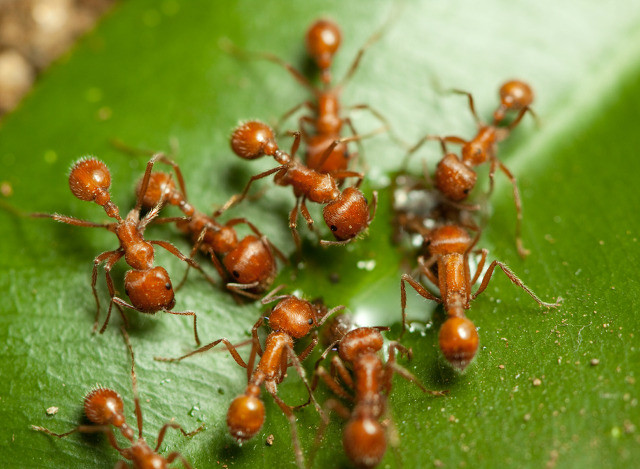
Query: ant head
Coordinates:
[514,96]
[360,341]
[458,340]
[253,139]
[323,40]
[89,180]
[454,178]
[246,415]
[347,215]
[149,290]
[251,261]
[449,239]
[161,186]
[365,442]
[294,316]
[104,406]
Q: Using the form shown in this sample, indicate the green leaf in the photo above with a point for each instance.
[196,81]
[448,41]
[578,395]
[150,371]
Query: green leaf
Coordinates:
[153,71]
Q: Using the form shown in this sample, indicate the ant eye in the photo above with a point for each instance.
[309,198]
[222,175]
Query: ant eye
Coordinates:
[310,321]
[466,191]
[366,201]
[167,286]
[236,274]
[334,228]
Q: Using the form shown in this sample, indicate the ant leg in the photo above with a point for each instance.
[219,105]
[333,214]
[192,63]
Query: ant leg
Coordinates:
[230,48]
[122,465]
[230,347]
[119,302]
[195,320]
[238,197]
[277,252]
[330,405]
[349,174]
[418,145]
[302,373]
[94,278]
[134,381]
[176,426]
[175,455]
[293,223]
[288,412]
[425,268]
[271,296]
[392,367]
[403,296]
[307,351]
[74,221]
[483,259]
[305,213]
[332,384]
[338,366]
[79,429]
[515,280]
[518,202]
[289,113]
[330,313]
[241,289]
[378,115]
[174,250]
[520,115]
[472,107]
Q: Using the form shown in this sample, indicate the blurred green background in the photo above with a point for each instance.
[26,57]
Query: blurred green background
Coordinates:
[154,70]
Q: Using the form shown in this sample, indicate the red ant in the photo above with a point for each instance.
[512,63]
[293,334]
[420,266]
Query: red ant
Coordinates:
[249,262]
[347,213]
[449,247]
[327,151]
[359,367]
[292,318]
[149,288]
[104,408]
[455,176]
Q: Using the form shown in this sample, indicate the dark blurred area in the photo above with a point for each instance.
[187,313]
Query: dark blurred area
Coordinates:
[34,33]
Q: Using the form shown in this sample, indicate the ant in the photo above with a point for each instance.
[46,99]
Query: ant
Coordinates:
[149,288]
[290,319]
[249,262]
[448,267]
[455,177]
[358,367]
[104,407]
[346,212]
[327,150]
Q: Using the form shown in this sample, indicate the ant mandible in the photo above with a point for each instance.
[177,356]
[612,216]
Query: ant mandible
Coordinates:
[346,212]
[247,266]
[149,288]
[291,319]
[104,407]
[358,367]
[455,176]
[449,247]
[326,149]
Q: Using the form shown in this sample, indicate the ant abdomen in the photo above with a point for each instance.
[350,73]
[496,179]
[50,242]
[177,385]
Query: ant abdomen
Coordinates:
[150,290]
[365,441]
[454,178]
[323,40]
[348,215]
[104,406]
[458,340]
[515,95]
[246,415]
[90,180]
[253,140]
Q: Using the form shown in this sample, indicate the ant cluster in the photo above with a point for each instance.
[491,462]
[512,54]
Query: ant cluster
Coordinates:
[247,266]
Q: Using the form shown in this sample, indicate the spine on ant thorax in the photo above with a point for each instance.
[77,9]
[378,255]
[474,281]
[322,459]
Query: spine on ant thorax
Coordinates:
[453,282]
[272,358]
